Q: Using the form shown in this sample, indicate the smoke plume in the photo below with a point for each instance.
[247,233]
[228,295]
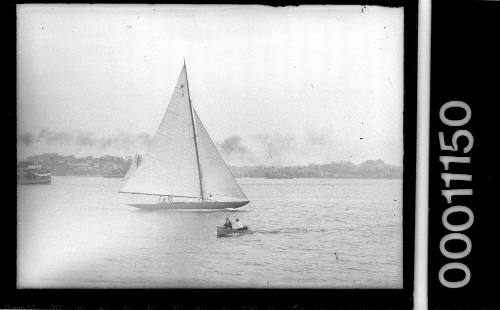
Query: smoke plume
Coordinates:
[63,141]
[233,144]
[235,152]
[274,149]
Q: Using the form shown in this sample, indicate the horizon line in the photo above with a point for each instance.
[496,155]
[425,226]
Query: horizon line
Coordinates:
[233,165]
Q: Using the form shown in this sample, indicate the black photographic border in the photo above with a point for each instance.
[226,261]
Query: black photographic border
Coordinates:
[245,299]
[464,67]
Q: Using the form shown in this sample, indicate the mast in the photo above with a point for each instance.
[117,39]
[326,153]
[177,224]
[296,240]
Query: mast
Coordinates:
[195,139]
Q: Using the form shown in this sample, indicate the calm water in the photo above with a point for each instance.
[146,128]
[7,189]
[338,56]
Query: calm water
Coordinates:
[80,233]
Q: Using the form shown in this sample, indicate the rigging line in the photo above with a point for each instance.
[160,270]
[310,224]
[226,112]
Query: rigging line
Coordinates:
[200,176]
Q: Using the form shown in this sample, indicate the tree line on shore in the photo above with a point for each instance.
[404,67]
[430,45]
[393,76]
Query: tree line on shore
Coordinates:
[341,169]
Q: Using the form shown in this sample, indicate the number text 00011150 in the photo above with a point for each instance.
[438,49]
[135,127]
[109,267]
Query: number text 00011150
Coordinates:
[456,231]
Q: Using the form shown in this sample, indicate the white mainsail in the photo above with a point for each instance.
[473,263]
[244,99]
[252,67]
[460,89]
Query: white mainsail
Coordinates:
[217,178]
[180,164]
[170,166]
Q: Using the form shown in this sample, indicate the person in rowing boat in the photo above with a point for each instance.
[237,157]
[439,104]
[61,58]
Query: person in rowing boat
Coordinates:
[227,224]
[239,226]
[167,199]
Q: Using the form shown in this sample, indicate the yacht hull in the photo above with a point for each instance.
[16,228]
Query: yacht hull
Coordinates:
[207,205]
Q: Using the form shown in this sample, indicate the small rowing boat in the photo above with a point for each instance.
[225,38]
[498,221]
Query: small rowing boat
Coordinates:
[221,231]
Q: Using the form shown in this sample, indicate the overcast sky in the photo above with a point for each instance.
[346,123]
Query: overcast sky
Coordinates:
[279,86]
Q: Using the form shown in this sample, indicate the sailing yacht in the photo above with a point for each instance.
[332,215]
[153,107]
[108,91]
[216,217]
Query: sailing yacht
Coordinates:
[183,167]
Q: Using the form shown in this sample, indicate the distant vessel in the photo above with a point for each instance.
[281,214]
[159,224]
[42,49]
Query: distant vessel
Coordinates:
[133,166]
[29,172]
[182,167]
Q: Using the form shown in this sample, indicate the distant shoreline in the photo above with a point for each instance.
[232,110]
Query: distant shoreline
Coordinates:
[244,177]
[70,165]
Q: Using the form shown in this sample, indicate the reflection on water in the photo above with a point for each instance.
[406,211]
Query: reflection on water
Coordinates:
[79,232]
